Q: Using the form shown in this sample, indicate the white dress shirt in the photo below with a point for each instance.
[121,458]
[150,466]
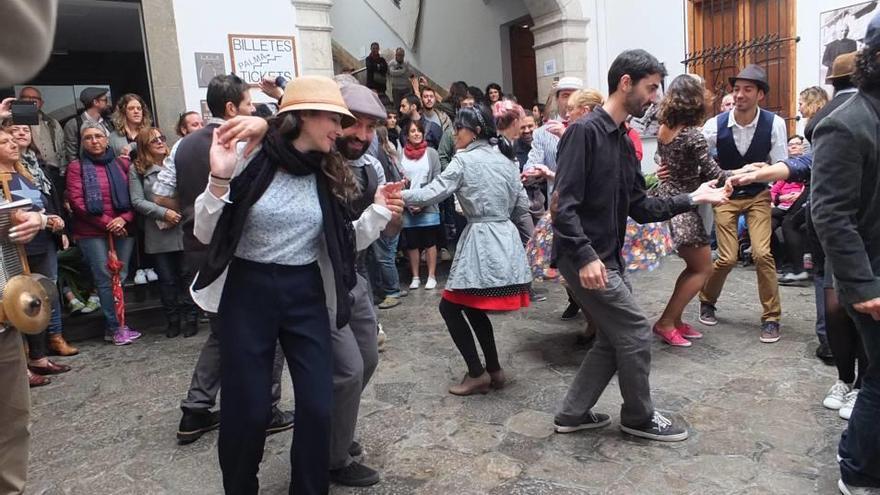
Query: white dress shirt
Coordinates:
[743,134]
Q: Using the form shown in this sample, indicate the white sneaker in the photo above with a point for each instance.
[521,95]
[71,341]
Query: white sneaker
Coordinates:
[381,338]
[836,396]
[846,410]
[415,283]
[151,274]
[140,278]
[431,283]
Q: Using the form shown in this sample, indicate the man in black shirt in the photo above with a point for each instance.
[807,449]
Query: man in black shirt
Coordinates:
[599,182]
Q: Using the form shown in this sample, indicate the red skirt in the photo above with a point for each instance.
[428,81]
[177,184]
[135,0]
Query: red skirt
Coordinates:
[510,298]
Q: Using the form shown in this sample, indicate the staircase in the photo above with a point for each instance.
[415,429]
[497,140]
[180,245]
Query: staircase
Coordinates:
[345,62]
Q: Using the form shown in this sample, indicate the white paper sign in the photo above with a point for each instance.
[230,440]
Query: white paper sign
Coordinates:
[255,57]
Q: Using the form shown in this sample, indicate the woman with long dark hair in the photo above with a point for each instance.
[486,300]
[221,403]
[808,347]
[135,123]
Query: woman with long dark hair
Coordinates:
[420,164]
[493,94]
[282,252]
[489,272]
[684,151]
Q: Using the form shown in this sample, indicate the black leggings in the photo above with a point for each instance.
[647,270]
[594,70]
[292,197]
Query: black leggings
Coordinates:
[846,345]
[460,331]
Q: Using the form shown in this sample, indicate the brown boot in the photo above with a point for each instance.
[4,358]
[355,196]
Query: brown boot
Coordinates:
[59,347]
[498,379]
[470,386]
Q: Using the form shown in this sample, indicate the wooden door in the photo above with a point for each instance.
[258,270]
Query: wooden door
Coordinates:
[523,65]
[727,35]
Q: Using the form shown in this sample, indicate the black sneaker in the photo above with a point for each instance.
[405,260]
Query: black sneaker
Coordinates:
[194,425]
[659,428]
[570,312]
[355,474]
[281,421]
[769,332]
[355,449]
[707,314]
[590,421]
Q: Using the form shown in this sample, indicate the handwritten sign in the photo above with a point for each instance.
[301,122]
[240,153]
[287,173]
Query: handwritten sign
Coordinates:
[255,57]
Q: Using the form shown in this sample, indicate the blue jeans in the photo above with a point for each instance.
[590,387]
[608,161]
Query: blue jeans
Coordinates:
[95,251]
[384,251]
[860,443]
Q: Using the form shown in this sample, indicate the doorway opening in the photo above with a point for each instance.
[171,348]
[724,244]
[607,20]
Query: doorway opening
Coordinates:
[523,66]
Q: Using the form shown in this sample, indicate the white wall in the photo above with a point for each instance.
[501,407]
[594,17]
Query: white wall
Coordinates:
[457,39]
[659,27]
[202,26]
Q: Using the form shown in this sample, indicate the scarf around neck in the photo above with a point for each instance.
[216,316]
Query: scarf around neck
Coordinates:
[119,196]
[246,189]
[32,164]
[415,151]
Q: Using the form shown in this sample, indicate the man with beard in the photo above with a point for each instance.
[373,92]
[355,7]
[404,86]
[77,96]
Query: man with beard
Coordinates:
[429,103]
[410,110]
[589,229]
[747,134]
[355,349]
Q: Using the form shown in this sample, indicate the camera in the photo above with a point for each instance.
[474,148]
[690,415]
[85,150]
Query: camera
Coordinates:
[24,112]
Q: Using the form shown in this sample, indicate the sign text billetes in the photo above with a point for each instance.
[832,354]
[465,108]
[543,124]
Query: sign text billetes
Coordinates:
[255,57]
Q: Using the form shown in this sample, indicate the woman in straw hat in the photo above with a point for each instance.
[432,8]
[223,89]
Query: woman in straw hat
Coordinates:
[282,249]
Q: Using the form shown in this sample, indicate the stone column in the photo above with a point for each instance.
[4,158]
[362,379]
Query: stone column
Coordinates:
[314,40]
[163,55]
[563,40]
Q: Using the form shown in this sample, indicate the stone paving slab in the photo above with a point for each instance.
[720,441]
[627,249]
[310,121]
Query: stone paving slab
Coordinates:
[754,411]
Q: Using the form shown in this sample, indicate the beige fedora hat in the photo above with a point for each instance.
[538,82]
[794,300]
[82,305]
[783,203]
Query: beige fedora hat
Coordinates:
[315,93]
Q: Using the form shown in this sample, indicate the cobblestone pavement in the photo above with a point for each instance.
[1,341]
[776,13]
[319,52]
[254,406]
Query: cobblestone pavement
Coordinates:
[754,411]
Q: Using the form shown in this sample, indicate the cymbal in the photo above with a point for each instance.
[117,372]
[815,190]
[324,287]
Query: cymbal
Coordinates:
[26,304]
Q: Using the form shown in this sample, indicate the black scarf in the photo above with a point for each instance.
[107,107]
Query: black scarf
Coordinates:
[247,188]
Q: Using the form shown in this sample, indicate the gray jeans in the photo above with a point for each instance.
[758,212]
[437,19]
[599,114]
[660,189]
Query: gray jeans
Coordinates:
[623,345]
[202,393]
[355,357]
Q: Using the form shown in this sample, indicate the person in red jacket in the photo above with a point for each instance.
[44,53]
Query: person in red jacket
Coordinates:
[97,189]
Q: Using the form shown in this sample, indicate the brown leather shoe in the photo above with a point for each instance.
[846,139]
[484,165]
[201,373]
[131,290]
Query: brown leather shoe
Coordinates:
[35,380]
[59,347]
[50,369]
[470,386]
[498,379]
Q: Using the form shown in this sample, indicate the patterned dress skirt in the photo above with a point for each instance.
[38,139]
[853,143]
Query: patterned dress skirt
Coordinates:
[508,298]
[643,247]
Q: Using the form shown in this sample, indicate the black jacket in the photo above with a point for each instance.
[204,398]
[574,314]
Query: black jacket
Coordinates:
[845,195]
[599,181]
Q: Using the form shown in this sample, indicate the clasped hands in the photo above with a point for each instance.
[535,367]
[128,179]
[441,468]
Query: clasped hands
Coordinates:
[390,196]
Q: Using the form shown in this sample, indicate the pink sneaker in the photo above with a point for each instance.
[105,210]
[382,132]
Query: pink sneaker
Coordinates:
[131,333]
[672,337]
[121,338]
[689,332]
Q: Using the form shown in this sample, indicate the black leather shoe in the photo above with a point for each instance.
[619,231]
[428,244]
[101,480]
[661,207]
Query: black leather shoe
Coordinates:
[173,329]
[192,328]
[571,311]
[823,352]
[281,421]
[194,425]
[355,474]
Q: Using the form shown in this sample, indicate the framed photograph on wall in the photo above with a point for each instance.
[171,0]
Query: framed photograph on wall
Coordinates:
[842,31]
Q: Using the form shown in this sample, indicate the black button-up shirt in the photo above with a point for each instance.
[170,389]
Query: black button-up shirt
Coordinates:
[599,182]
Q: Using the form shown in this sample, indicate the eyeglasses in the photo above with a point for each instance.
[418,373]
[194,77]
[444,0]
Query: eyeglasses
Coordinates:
[94,137]
[158,139]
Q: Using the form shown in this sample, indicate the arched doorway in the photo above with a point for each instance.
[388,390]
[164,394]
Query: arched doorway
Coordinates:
[560,32]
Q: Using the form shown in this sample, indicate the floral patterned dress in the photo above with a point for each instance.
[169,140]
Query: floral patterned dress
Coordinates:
[687,158]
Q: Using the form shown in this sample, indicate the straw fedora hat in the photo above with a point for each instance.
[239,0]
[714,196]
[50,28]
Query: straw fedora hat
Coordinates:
[315,93]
